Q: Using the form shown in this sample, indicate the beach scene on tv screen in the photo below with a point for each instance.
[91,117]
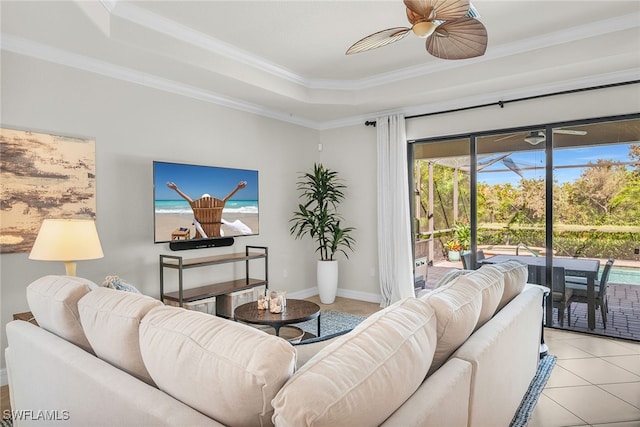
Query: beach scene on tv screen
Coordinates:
[195,202]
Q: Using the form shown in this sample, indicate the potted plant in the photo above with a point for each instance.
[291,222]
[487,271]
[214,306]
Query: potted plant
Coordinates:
[462,233]
[453,250]
[317,216]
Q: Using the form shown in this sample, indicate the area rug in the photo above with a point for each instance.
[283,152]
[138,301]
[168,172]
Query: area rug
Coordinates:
[533,393]
[331,322]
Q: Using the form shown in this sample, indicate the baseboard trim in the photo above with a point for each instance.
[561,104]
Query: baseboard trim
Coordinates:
[4,380]
[360,296]
[305,293]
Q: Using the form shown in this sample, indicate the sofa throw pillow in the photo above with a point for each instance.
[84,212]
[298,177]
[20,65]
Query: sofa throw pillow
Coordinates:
[227,370]
[457,307]
[114,282]
[362,377]
[111,321]
[490,281]
[53,300]
[515,277]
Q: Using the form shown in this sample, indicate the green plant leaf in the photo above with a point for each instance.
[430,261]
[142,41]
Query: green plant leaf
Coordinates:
[322,193]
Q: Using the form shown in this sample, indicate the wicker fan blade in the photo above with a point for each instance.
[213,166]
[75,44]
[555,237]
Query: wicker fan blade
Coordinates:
[570,132]
[379,39]
[459,39]
[502,138]
[432,10]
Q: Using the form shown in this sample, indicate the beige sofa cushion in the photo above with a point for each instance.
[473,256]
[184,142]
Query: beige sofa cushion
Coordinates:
[441,401]
[515,277]
[226,370]
[490,281]
[446,278]
[53,300]
[457,306]
[365,375]
[504,354]
[111,321]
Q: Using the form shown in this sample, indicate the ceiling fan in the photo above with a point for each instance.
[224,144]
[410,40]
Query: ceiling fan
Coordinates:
[536,137]
[449,26]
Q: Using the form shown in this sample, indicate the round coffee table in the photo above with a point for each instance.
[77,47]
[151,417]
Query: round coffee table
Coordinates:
[295,311]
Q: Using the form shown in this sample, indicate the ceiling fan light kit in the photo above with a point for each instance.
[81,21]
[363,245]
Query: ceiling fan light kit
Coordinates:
[424,29]
[450,27]
[535,138]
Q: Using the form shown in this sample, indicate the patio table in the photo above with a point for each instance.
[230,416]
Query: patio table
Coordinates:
[581,267]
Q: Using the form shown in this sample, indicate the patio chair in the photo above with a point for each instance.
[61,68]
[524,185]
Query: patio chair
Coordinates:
[579,287]
[561,295]
[466,260]
[479,256]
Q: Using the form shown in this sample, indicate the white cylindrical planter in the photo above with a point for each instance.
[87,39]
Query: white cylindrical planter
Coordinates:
[327,281]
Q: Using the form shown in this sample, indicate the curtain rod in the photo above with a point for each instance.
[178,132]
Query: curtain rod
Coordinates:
[503,103]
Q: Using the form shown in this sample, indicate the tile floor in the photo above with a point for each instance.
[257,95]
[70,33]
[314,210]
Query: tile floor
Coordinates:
[596,382]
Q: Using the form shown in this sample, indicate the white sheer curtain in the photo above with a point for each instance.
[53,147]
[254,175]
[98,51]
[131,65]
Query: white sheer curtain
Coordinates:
[395,257]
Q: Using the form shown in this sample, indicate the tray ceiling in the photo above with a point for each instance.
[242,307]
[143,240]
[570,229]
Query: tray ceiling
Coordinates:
[285,59]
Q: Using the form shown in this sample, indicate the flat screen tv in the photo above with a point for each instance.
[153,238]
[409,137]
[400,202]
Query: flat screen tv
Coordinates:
[194,202]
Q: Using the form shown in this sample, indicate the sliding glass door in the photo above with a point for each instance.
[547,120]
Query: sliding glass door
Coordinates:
[559,194]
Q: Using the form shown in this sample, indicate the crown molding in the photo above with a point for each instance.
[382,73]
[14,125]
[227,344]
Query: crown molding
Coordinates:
[155,22]
[58,56]
[178,31]
[149,20]
[54,55]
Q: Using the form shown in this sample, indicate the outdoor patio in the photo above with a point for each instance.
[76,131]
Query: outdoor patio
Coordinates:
[623,319]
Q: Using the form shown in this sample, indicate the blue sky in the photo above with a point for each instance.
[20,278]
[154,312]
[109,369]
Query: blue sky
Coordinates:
[561,157]
[196,180]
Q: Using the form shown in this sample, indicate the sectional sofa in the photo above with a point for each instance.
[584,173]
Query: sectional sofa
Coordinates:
[460,355]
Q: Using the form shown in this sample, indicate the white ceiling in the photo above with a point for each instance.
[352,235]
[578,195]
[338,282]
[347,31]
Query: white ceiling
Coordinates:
[285,59]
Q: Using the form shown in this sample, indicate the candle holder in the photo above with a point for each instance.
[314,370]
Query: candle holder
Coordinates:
[263,300]
[277,301]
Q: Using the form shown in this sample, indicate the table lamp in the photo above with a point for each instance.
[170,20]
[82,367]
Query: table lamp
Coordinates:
[67,240]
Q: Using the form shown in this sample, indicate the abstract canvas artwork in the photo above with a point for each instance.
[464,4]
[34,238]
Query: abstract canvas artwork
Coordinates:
[42,176]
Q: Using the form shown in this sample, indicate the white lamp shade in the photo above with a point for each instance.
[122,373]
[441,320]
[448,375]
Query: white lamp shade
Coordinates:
[67,240]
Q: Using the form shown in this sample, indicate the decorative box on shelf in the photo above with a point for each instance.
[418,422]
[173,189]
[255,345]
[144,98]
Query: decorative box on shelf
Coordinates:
[206,305]
[227,303]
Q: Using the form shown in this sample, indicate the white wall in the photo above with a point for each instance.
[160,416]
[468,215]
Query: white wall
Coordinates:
[352,152]
[577,106]
[134,125]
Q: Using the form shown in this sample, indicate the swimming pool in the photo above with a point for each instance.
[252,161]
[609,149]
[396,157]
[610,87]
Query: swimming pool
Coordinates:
[624,275]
